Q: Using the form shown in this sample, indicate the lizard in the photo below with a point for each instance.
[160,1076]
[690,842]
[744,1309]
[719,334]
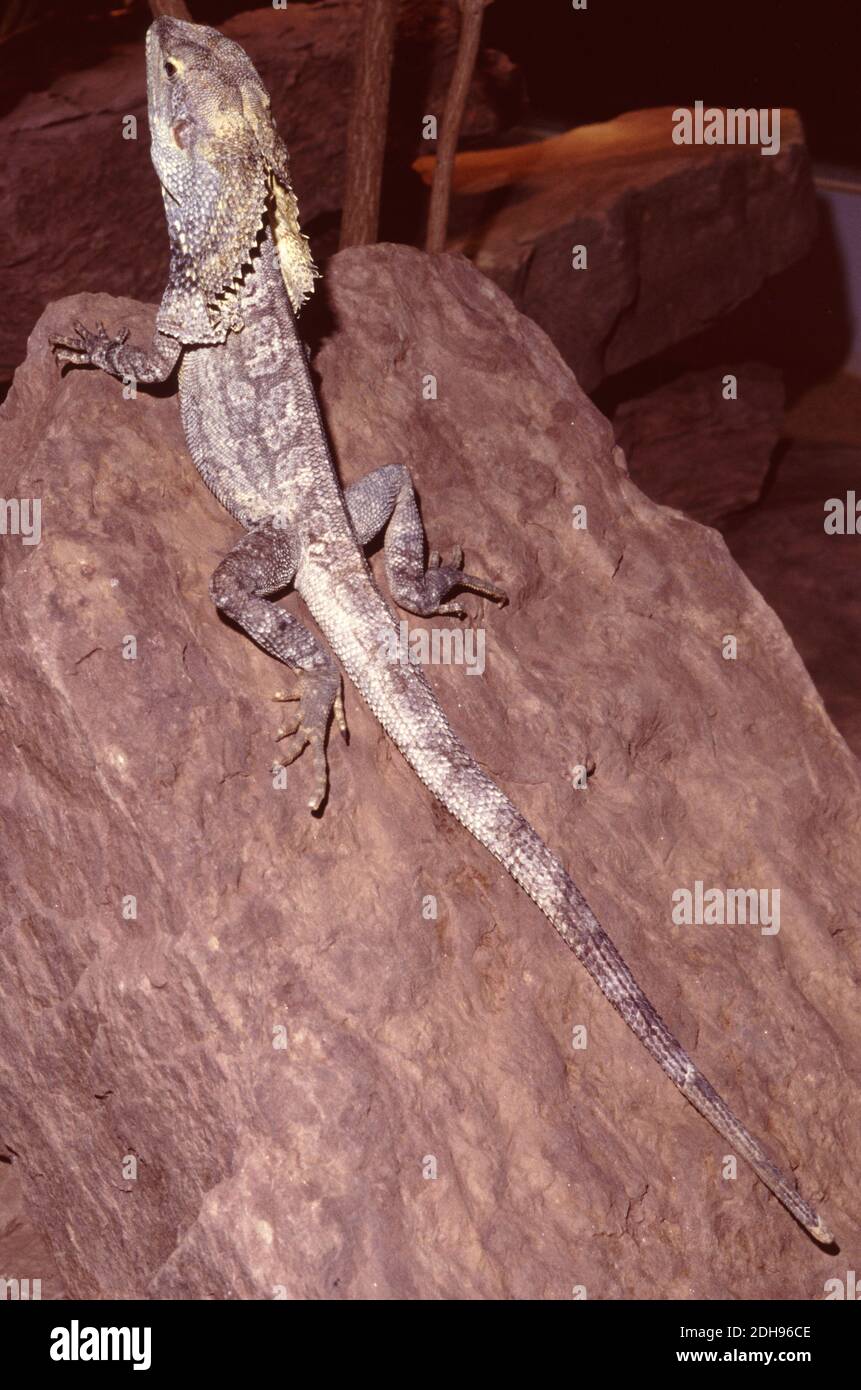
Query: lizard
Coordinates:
[240,270]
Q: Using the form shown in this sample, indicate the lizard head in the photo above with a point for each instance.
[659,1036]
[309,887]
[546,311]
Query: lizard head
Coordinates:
[223,169]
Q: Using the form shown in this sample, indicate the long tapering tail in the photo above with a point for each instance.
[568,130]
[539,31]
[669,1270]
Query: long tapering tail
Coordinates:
[409,711]
[524,854]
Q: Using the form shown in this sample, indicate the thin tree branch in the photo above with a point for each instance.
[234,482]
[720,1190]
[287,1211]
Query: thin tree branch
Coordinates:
[472,12]
[176,9]
[366,136]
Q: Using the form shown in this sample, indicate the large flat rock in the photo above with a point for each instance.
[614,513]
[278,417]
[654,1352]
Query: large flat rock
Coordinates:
[676,235]
[407,1037]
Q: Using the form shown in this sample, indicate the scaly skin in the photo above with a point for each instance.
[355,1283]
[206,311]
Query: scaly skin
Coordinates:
[240,268]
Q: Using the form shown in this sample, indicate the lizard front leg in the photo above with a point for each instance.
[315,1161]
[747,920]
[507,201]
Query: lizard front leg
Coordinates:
[387,496]
[115,355]
[263,561]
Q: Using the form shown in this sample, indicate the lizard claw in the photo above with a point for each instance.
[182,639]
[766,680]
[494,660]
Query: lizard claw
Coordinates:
[87,348]
[313,739]
[340,716]
[483,587]
[310,727]
[442,578]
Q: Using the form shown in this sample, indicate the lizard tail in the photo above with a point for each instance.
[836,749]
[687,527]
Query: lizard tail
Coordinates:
[409,711]
[523,853]
[447,768]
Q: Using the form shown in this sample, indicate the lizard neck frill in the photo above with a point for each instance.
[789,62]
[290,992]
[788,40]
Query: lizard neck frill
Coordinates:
[201,302]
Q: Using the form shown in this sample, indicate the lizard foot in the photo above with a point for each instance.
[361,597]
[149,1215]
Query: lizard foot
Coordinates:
[441,578]
[310,728]
[87,349]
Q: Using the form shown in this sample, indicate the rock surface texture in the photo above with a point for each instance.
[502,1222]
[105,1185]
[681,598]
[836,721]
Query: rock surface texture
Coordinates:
[690,445]
[675,235]
[24,1253]
[809,575]
[339,1050]
[64,149]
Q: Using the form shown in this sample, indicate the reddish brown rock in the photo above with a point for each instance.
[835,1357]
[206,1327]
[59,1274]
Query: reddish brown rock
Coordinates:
[810,576]
[64,148]
[675,234]
[408,1037]
[721,462]
[691,445]
[26,1262]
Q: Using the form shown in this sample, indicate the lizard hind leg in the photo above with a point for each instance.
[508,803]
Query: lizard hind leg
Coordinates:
[386,499]
[263,561]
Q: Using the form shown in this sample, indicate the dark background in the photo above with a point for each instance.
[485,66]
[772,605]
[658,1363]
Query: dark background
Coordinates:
[579,65]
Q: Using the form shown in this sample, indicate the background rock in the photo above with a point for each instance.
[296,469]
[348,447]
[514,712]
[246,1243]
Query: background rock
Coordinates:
[688,446]
[64,149]
[676,235]
[809,576]
[763,482]
[301,1168]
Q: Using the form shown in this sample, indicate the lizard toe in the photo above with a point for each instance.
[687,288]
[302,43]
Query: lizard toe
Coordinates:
[483,587]
[302,740]
[317,703]
[321,772]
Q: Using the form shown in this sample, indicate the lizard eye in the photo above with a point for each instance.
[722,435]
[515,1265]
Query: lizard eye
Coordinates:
[170,68]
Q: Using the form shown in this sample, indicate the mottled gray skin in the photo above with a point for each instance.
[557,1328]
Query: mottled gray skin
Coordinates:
[239,269]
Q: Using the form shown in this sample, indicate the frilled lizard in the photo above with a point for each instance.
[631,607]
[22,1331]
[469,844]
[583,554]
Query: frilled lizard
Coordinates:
[240,270]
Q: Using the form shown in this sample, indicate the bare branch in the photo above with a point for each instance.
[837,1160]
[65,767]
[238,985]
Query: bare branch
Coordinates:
[366,137]
[472,12]
[176,9]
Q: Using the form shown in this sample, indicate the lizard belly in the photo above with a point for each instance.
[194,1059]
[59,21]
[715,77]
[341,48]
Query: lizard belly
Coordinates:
[244,406]
[239,431]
